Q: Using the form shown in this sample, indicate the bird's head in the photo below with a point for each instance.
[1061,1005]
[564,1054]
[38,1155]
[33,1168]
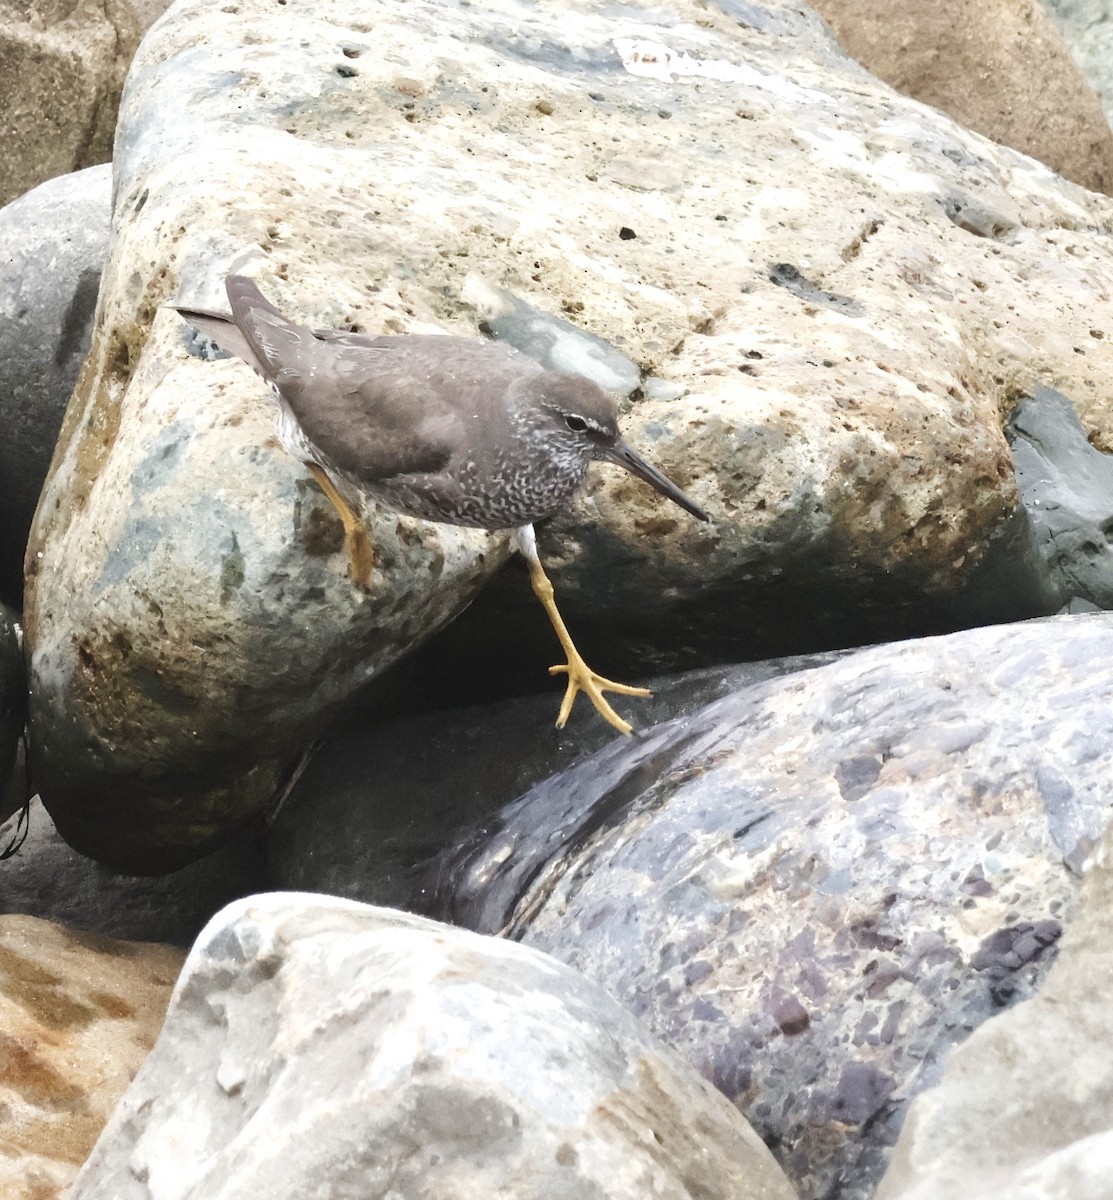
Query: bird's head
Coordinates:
[577,412]
[581,417]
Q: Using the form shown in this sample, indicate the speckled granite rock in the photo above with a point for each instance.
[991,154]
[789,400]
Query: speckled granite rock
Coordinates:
[62,66]
[843,288]
[53,242]
[78,1015]
[998,66]
[320,1047]
[1025,1106]
[816,886]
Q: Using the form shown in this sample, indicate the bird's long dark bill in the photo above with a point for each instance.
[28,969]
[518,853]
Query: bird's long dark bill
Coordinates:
[623,456]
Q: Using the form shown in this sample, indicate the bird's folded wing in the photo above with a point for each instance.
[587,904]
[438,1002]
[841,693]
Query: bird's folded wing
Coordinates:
[371,422]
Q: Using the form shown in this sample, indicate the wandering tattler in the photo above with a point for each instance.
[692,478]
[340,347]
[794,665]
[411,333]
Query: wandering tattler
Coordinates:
[447,429]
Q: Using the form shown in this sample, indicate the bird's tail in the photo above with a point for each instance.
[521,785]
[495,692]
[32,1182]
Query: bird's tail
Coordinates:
[273,340]
[222,330]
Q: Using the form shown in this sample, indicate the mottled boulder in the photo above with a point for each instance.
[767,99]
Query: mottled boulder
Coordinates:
[320,1047]
[62,67]
[377,802]
[53,243]
[826,364]
[1025,1106]
[78,1015]
[816,886]
[998,66]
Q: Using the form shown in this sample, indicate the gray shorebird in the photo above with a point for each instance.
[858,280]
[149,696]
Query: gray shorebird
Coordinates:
[449,429]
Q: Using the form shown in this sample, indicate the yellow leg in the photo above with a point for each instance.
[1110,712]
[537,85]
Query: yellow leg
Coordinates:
[581,678]
[355,533]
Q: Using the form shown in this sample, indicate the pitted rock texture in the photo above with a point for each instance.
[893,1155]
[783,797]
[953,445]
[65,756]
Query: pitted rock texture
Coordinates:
[62,67]
[320,1047]
[79,1014]
[53,243]
[1000,67]
[844,287]
[816,886]
[1025,1106]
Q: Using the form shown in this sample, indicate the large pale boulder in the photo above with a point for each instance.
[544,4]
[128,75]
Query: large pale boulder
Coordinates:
[62,67]
[78,1014]
[1025,1107]
[318,1047]
[816,886]
[833,294]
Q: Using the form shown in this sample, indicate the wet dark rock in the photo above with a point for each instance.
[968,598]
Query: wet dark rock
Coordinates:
[46,878]
[13,709]
[375,804]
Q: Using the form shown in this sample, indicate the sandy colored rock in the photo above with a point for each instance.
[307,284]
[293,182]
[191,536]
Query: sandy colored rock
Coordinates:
[62,67]
[78,1014]
[997,66]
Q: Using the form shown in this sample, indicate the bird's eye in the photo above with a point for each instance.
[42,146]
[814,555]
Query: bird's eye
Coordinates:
[576,424]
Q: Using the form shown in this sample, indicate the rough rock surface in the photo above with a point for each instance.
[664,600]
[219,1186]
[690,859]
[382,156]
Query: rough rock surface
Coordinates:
[376,803]
[47,878]
[53,243]
[844,288]
[998,66]
[13,699]
[320,1047]
[78,1015]
[1025,1106]
[815,887]
[62,67]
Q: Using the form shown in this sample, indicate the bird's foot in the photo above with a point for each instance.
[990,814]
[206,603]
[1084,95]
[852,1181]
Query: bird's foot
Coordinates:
[361,558]
[581,678]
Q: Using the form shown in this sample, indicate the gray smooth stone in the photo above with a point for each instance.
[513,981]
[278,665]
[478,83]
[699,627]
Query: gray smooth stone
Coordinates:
[53,242]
